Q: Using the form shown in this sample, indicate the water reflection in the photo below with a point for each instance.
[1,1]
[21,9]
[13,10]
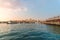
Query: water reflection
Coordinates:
[54,28]
[4,28]
[29,32]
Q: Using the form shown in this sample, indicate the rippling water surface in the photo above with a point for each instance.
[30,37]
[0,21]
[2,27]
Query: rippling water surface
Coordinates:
[29,32]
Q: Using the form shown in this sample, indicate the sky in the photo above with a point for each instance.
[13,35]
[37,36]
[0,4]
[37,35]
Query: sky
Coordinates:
[23,9]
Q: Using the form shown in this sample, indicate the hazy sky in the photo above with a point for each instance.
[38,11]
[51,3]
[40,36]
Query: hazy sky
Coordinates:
[21,9]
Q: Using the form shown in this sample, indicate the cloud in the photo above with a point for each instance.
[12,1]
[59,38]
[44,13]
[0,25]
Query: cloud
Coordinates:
[12,4]
[8,8]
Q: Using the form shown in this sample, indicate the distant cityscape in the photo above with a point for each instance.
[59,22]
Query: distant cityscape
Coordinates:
[22,21]
[50,21]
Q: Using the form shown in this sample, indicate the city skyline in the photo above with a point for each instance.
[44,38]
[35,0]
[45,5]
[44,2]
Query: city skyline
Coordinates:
[23,9]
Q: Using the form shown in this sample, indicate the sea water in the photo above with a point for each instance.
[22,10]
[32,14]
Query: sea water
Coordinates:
[30,31]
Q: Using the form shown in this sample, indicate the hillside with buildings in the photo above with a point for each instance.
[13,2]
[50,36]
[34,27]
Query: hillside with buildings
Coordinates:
[53,20]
